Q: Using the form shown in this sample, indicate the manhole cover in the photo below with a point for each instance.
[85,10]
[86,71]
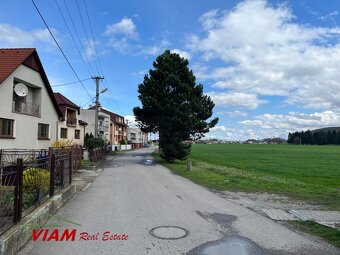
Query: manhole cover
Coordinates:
[169,232]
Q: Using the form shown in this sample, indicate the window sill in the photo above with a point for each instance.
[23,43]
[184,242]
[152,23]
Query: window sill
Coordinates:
[43,138]
[7,137]
[28,114]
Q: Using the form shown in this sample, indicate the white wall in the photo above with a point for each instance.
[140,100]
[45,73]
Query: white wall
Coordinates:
[140,137]
[26,126]
[89,117]
[71,132]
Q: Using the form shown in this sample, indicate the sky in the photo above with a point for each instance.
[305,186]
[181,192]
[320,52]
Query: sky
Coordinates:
[271,67]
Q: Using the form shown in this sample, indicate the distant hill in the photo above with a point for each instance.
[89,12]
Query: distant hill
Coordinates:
[326,129]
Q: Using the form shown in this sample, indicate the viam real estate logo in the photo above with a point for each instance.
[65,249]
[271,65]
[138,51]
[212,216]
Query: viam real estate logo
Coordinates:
[56,232]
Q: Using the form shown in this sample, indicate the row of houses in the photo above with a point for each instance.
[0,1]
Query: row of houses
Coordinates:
[32,116]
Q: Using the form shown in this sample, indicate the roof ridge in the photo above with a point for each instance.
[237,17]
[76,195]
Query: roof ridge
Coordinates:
[18,48]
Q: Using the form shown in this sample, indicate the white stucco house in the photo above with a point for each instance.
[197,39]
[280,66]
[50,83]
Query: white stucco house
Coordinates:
[29,112]
[136,137]
[88,115]
[70,127]
[111,126]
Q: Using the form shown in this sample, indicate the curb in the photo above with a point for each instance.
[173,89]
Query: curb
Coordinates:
[17,236]
[93,167]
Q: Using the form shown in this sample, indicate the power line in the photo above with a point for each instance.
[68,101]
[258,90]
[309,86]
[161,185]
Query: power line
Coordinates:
[55,40]
[112,100]
[75,29]
[111,97]
[74,42]
[95,46]
[88,102]
[88,41]
[69,83]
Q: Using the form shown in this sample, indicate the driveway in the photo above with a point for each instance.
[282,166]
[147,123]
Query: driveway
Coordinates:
[131,199]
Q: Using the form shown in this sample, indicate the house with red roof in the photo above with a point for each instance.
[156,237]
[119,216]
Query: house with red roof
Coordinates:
[70,127]
[116,125]
[29,112]
[111,126]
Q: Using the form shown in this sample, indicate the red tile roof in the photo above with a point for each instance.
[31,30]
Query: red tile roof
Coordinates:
[10,59]
[64,102]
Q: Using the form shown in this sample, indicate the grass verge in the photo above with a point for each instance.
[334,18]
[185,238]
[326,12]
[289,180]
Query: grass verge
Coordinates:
[329,234]
[307,173]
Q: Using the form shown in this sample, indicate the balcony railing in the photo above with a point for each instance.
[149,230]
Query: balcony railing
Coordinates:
[71,122]
[26,108]
[103,128]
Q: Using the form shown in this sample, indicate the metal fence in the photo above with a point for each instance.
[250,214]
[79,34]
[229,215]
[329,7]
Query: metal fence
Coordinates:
[30,177]
[97,154]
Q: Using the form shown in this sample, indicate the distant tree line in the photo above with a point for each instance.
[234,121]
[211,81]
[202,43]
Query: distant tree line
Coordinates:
[315,137]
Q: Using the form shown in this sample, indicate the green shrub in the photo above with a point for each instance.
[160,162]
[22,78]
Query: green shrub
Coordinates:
[122,142]
[93,142]
[36,183]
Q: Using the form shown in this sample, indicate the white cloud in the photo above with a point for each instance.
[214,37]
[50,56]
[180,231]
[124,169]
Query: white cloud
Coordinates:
[149,50]
[124,38]
[237,114]
[121,45]
[295,121]
[233,134]
[241,99]
[124,27]
[218,128]
[329,16]
[90,49]
[12,36]
[276,125]
[131,120]
[182,53]
[267,52]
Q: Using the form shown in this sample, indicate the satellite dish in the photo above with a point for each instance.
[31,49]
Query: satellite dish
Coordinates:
[21,90]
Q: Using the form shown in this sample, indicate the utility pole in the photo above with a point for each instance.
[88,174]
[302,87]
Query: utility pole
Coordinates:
[97,78]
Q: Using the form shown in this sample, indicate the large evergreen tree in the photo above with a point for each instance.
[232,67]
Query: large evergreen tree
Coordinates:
[174,106]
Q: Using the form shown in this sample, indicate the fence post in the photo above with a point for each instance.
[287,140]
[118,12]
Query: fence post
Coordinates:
[189,166]
[70,168]
[18,191]
[74,158]
[52,174]
[62,173]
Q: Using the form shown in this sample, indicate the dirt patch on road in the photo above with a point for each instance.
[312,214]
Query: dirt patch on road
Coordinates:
[259,201]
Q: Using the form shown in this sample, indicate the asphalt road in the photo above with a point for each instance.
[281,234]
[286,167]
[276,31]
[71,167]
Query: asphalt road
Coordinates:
[130,198]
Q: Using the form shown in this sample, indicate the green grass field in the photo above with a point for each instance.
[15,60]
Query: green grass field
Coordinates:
[310,173]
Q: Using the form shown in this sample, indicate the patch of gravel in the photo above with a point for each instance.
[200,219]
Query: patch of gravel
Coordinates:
[259,201]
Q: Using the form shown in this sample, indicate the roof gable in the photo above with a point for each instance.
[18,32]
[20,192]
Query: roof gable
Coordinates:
[64,102]
[11,59]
